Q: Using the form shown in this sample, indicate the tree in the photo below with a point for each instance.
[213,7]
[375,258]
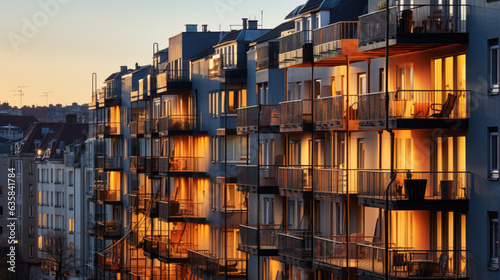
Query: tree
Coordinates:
[58,254]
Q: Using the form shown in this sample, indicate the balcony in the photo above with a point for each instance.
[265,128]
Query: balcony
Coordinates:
[412,264]
[295,248]
[296,115]
[109,97]
[107,196]
[152,165]
[174,252]
[329,113]
[296,49]
[267,56]
[415,109]
[203,263]
[414,28]
[333,42]
[181,211]
[440,191]
[109,260]
[151,246]
[225,69]
[137,129]
[108,229]
[295,181]
[332,184]
[174,81]
[112,129]
[179,166]
[250,120]
[177,125]
[266,246]
[108,163]
[137,202]
[135,238]
[151,207]
[258,179]
[332,251]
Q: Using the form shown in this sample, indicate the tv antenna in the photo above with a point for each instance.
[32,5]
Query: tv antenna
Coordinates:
[46,94]
[20,94]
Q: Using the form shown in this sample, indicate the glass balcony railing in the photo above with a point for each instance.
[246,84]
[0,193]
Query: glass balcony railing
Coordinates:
[329,41]
[296,245]
[107,196]
[171,250]
[208,263]
[335,181]
[177,123]
[249,119]
[417,21]
[109,129]
[181,164]
[334,250]
[253,175]
[108,229]
[250,234]
[180,209]
[108,163]
[111,260]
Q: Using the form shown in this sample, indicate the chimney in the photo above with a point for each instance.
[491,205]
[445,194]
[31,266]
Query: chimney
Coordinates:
[204,28]
[136,65]
[253,24]
[245,24]
[71,118]
[191,27]
[123,69]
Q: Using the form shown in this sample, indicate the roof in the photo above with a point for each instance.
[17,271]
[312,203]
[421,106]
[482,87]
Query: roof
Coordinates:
[345,10]
[24,122]
[294,13]
[311,5]
[112,77]
[276,32]
[55,133]
[203,54]
[231,36]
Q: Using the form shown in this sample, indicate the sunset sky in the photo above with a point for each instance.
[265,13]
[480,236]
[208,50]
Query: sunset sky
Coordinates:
[55,45]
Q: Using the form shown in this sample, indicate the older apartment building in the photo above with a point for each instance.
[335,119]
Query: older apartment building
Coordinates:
[320,149]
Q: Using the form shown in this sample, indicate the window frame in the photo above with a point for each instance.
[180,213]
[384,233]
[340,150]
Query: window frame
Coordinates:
[493,46]
[493,240]
[493,173]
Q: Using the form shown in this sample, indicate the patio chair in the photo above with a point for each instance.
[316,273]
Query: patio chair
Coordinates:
[399,262]
[446,108]
[443,264]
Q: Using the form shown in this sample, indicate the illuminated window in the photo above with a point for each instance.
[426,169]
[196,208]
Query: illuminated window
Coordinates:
[493,152]
[71,225]
[493,239]
[494,65]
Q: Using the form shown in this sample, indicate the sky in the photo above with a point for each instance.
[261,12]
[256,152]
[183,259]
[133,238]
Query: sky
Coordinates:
[55,45]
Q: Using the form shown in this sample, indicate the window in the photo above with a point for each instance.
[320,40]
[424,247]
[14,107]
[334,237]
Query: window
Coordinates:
[31,251]
[70,202]
[31,232]
[40,199]
[71,225]
[494,65]
[30,211]
[31,189]
[362,87]
[235,99]
[381,79]
[1,190]
[1,210]
[31,167]
[70,173]
[1,230]
[493,239]
[493,152]
[215,149]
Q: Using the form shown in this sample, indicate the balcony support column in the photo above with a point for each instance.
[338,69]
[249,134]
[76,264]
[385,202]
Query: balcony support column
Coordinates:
[393,177]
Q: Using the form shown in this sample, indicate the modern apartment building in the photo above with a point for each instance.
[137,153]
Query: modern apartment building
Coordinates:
[321,149]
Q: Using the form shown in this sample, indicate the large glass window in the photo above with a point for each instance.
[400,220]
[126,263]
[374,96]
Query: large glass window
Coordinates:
[494,65]
[493,152]
[493,239]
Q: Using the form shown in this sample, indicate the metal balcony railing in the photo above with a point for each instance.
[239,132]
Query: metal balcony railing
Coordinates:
[264,175]
[164,78]
[267,56]
[208,263]
[295,41]
[335,181]
[107,195]
[413,19]
[137,202]
[111,261]
[108,229]
[296,245]
[168,250]
[249,116]
[411,264]
[137,127]
[295,113]
[180,209]
[249,235]
[295,178]
[415,104]
[333,250]
[329,111]
[422,185]
[335,32]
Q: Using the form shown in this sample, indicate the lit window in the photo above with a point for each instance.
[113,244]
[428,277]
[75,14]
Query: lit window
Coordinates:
[493,152]
[493,240]
[71,225]
[494,65]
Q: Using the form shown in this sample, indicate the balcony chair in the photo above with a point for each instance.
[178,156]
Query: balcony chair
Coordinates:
[443,264]
[446,108]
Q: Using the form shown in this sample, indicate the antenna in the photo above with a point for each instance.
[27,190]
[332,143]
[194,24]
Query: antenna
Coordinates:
[46,94]
[262,19]
[20,94]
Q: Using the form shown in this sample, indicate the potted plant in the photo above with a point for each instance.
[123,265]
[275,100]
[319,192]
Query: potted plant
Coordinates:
[414,188]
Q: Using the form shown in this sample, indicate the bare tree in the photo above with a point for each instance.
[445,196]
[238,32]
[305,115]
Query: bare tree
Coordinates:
[58,254]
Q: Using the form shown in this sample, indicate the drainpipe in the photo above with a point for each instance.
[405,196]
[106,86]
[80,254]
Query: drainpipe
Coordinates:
[347,169]
[388,129]
[258,189]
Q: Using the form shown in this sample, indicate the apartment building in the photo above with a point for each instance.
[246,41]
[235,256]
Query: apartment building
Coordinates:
[320,149]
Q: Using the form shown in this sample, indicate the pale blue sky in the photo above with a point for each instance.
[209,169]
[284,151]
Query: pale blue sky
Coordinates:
[57,48]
